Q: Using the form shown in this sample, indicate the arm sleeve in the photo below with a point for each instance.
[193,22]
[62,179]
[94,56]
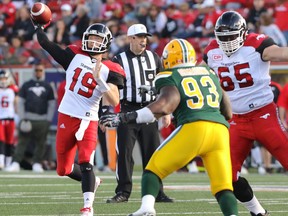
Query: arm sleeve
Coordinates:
[62,56]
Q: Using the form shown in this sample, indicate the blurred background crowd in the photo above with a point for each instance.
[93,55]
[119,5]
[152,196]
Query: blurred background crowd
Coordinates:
[193,20]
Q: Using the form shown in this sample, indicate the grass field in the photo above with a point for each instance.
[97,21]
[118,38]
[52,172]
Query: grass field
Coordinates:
[26,194]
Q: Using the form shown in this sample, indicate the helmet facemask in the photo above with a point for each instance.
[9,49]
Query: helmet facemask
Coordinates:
[230,41]
[96,46]
[230,32]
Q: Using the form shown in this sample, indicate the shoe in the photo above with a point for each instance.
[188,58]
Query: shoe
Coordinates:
[260,214]
[192,167]
[98,181]
[37,167]
[244,170]
[163,198]
[118,198]
[261,170]
[14,167]
[87,211]
[141,212]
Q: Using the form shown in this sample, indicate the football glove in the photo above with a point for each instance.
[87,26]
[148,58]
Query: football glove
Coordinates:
[146,89]
[113,120]
[37,25]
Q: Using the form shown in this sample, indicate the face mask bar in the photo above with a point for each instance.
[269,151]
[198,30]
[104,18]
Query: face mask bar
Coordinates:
[97,47]
[230,42]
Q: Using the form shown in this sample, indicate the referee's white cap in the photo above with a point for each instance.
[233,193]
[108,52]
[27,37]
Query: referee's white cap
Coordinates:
[138,30]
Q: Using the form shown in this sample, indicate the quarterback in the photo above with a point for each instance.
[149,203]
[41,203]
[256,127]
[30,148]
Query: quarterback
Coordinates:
[242,63]
[87,81]
[200,107]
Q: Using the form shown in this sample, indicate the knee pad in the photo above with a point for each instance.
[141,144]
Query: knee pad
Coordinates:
[242,190]
[86,167]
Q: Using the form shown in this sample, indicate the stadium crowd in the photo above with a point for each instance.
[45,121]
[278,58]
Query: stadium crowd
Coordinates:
[193,20]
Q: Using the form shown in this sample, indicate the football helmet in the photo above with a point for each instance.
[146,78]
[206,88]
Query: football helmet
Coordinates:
[230,32]
[3,79]
[178,52]
[100,30]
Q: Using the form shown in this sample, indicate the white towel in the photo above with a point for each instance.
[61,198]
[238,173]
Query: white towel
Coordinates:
[83,126]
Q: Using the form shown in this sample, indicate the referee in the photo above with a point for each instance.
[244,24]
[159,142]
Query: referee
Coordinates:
[140,66]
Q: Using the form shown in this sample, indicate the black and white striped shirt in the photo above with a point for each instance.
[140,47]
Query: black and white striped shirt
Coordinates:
[140,70]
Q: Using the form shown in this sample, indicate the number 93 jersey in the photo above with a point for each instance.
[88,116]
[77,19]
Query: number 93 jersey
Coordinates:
[200,93]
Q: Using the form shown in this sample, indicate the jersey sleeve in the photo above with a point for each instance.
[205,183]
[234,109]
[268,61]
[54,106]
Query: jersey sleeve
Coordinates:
[163,79]
[116,74]
[62,56]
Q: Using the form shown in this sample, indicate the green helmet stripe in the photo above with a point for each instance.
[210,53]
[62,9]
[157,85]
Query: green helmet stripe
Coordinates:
[184,50]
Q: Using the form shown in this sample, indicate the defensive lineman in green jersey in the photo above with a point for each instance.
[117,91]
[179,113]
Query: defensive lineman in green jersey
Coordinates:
[201,108]
[199,90]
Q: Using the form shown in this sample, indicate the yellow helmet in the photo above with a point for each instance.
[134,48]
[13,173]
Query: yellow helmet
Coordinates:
[176,52]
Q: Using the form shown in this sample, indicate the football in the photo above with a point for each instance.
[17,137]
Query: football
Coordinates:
[41,13]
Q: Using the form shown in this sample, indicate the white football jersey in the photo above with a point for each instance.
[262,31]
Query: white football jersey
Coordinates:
[82,95]
[244,75]
[7,109]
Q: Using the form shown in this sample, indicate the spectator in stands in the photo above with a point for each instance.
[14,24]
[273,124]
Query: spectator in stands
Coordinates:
[202,25]
[171,24]
[268,27]
[156,20]
[184,21]
[281,11]
[142,11]
[156,44]
[66,13]
[61,34]
[17,54]
[36,106]
[129,13]
[253,17]
[23,26]
[95,7]
[4,47]
[8,12]
[79,23]
[111,10]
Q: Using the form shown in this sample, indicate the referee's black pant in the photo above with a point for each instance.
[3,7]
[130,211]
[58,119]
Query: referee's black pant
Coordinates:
[147,136]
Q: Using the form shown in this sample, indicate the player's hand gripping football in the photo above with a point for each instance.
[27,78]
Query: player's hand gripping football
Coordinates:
[38,25]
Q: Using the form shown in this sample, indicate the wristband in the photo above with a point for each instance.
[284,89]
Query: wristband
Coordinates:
[103,86]
[145,115]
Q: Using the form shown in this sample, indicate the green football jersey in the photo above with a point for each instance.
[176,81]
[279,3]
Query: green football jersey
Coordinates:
[200,92]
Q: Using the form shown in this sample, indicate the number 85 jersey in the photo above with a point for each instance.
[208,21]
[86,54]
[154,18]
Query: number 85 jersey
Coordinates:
[244,75]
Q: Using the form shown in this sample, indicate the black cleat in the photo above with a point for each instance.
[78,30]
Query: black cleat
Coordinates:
[260,214]
[163,198]
[118,198]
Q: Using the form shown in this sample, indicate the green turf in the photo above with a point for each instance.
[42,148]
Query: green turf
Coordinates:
[26,193]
